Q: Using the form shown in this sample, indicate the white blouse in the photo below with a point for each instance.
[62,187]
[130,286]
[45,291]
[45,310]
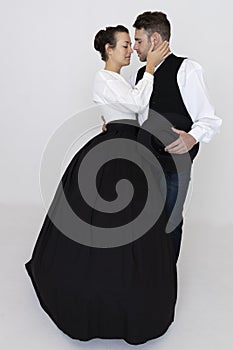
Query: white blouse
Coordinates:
[117,98]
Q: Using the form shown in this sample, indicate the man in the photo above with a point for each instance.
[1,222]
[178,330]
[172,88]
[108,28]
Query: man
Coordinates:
[179,95]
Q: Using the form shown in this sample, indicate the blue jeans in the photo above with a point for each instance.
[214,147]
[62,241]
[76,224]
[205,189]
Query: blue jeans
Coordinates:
[176,191]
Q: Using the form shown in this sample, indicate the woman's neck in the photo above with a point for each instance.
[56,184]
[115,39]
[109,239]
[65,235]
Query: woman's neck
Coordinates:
[112,67]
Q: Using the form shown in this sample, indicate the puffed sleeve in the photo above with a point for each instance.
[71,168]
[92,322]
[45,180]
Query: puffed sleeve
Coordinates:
[127,98]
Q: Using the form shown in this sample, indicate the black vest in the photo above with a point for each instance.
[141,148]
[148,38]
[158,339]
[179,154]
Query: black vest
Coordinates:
[166,101]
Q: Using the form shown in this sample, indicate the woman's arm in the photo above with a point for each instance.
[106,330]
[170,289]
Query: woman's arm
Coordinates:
[118,92]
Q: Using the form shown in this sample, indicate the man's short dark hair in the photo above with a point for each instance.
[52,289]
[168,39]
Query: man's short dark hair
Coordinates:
[154,22]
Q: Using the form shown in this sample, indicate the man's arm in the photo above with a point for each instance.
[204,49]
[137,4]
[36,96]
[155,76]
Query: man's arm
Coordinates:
[194,93]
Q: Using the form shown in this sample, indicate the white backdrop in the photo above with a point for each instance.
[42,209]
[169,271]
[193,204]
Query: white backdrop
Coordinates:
[47,67]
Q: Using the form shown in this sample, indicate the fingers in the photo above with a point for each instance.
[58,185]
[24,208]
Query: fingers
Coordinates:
[167,54]
[163,49]
[177,130]
[172,145]
[158,49]
[152,45]
[102,117]
[104,128]
[177,147]
[164,46]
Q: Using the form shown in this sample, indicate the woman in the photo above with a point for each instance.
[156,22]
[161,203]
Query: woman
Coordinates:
[103,266]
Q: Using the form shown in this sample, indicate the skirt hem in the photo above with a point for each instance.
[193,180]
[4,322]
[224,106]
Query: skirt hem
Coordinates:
[85,339]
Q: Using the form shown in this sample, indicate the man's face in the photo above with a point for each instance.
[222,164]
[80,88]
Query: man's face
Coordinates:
[142,44]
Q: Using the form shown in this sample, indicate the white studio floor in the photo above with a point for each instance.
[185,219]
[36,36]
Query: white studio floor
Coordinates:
[204,312]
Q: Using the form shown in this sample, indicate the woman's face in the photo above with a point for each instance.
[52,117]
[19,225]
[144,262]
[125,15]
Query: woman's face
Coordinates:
[120,55]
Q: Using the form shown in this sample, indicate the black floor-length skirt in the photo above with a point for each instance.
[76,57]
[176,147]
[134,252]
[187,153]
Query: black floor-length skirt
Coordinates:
[114,288]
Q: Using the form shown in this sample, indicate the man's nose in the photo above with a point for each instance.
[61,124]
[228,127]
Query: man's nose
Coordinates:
[135,47]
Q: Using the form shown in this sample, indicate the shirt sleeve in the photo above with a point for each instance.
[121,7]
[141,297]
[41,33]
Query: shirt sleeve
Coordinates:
[194,93]
[124,96]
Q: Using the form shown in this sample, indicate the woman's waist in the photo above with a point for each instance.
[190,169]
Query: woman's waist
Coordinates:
[123,124]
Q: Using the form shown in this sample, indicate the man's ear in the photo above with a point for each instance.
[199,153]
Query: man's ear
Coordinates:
[157,39]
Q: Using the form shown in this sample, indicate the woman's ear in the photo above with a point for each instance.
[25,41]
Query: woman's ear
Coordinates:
[108,49]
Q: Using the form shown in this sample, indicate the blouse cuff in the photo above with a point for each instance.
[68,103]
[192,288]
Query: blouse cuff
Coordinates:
[148,76]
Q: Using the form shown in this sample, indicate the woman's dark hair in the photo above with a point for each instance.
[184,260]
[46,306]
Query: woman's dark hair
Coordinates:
[154,22]
[107,36]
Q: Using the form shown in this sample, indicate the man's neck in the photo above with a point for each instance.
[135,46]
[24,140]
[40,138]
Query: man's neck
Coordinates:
[162,61]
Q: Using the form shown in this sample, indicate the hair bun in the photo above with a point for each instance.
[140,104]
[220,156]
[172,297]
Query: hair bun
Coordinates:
[99,41]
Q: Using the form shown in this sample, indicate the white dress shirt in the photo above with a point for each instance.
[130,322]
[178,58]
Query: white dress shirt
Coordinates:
[195,97]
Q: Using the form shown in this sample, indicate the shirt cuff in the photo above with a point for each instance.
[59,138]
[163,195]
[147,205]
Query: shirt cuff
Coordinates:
[197,133]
